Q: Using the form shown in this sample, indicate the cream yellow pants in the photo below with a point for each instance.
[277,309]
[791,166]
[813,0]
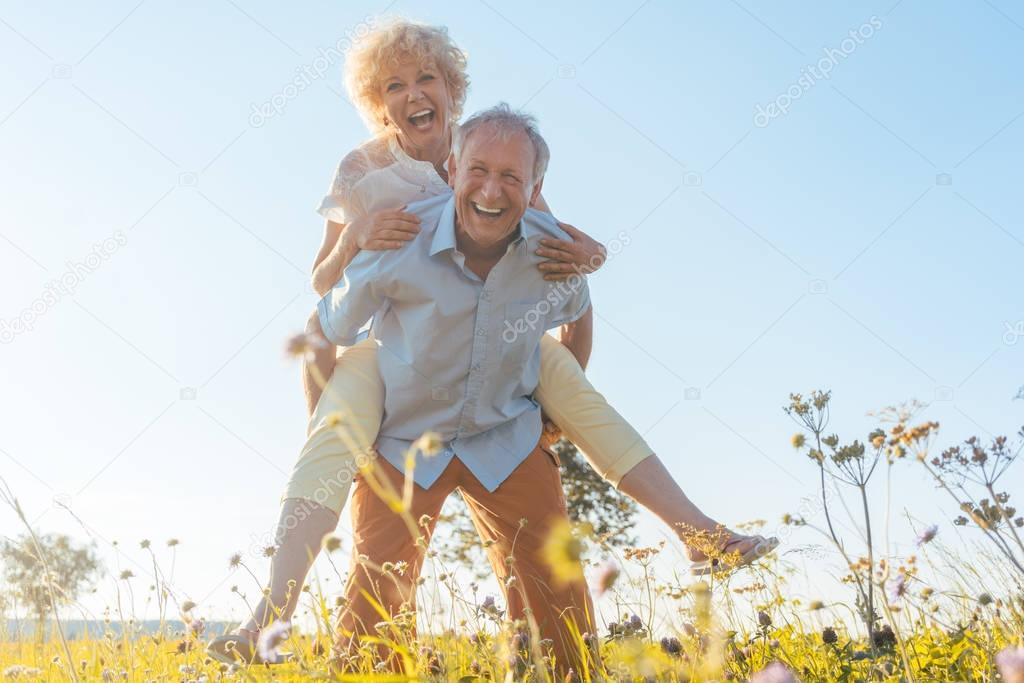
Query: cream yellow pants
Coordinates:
[355,394]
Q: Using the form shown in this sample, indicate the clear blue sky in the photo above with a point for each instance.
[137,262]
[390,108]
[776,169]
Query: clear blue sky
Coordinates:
[868,240]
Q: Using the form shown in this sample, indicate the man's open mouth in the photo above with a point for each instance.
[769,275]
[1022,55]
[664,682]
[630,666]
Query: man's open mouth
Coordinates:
[422,119]
[486,211]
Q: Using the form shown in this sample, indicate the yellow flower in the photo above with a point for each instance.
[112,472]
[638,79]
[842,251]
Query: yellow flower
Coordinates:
[798,440]
[562,552]
[430,444]
[331,543]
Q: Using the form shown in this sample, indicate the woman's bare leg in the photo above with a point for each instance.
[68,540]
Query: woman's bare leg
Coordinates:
[340,433]
[618,452]
[300,531]
[316,372]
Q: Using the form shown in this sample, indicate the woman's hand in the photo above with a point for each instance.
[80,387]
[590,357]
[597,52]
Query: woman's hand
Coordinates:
[583,255]
[388,229]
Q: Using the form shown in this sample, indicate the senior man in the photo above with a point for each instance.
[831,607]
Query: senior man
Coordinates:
[459,314]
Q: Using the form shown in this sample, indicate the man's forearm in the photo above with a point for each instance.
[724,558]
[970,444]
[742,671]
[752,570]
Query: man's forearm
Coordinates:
[578,337]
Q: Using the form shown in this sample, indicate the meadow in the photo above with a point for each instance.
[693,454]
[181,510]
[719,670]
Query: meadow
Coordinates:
[915,617]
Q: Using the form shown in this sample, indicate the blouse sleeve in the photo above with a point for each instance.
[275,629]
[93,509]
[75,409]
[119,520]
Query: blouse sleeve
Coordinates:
[342,202]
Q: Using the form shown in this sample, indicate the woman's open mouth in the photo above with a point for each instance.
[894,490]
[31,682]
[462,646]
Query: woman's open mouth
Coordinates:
[422,120]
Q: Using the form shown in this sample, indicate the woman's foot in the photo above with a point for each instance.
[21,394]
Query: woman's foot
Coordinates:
[722,550]
[240,648]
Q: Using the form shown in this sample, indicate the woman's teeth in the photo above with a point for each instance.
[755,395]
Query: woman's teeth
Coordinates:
[422,119]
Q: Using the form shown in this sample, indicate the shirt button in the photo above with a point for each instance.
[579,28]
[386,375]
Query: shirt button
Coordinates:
[480,332]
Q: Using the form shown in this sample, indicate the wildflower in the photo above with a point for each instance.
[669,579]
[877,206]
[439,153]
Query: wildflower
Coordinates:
[885,637]
[271,639]
[671,646]
[606,576]
[488,605]
[196,627]
[235,560]
[1010,662]
[269,551]
[430,444]
[763,619]
[898,587]
[304,346]
[776,672]
[330,542]
[171,542]
[635,622]
[829,636]
[816,605]
[798,441]
[562,552]
[984,599]
[144,543]
[927,535]
[127,574]
[571,676]
[188,606]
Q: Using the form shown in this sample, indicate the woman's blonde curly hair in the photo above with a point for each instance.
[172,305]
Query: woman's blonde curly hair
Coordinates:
[390,44]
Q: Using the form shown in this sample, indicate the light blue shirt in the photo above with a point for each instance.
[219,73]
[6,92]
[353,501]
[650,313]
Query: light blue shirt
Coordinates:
[458,355]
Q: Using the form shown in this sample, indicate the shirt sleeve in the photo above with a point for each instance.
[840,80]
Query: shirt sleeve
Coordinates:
[574,295]
[360,293]
[343,202]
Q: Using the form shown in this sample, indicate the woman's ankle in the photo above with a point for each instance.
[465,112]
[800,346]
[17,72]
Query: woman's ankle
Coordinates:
[251,634]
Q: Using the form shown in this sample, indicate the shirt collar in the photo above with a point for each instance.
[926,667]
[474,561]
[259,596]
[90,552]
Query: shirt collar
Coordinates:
[444,235]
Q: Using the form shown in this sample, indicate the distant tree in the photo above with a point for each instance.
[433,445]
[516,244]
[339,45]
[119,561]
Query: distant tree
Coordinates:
[73,569]
[590,500]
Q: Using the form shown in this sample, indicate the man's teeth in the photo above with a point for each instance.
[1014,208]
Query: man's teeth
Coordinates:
[492,212]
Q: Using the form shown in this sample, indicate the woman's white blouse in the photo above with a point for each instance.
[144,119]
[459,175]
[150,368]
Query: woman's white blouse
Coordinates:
[378,175]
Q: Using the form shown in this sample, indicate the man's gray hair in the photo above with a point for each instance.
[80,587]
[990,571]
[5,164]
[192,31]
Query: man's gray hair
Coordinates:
[506,121]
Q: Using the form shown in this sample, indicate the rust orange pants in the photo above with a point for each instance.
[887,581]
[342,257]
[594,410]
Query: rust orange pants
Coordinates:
[532,492]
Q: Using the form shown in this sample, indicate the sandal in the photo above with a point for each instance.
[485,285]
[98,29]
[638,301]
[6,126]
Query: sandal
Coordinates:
[762,547]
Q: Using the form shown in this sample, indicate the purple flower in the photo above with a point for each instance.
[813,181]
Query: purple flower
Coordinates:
[776,672]
[898,587]
[927,535]
[1010,661]
[271,639]
[488,605]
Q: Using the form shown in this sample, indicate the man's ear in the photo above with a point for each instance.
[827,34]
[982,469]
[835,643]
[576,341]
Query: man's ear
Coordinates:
[451,170]
[536,191]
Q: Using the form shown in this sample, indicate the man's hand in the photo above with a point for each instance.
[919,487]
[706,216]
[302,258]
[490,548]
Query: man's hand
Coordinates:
[583,255]
[387,229]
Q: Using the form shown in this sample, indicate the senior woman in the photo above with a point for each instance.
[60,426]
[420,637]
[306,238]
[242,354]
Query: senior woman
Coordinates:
[409,83]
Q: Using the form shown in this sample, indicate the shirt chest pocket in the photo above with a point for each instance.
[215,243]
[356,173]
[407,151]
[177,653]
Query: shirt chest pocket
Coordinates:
[520,334]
